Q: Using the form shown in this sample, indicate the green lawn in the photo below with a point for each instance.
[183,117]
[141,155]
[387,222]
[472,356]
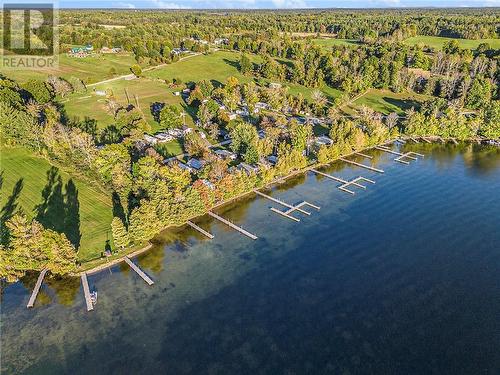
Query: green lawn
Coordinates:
[328,43]
[89,69]
[385,101]
[21,167]
[437,42]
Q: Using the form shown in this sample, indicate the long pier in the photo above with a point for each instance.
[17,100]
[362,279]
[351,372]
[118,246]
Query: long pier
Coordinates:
[363,155]
[345,183]
[408,155]
[86,292]
[287,205]
[362,165]
[201,230]
[291,208]
[234,226]
[140,272]
[36,289]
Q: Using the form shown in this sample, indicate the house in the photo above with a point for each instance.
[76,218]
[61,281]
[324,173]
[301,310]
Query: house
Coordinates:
[186,91]
[110,50]
[195,164]
[219,41]
[186,130]
[323,140]
[273,159]
[232,116]
[176,93]
[225,154]
[163,137]
[261,133]
[248,168]
[185,167]
[242,112]
[274,85]
[208,184]
[262,105]
[150,139]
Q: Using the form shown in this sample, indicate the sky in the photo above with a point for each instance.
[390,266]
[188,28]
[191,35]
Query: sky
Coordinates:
[267,4]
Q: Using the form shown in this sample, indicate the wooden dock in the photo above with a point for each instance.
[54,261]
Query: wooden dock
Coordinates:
[234,226]
[201,230]
[409,155]
[36,289]
[362,165]
[295,208]
[355,182]
[86,292]
[140,272]
[363,155]
[279,201]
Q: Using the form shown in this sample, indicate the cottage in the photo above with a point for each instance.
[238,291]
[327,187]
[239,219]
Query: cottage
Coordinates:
[323,140]
[273,159]
[195,164]
[150,139]
[219,41]
[248,168]
[185,167]
[208,184]
[225,154]
[262,105]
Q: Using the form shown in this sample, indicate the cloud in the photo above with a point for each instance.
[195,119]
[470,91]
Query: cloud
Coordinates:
[168,5]
[289,4]
[125,5]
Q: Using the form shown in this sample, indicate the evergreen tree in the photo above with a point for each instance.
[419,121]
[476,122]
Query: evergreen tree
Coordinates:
[120,235]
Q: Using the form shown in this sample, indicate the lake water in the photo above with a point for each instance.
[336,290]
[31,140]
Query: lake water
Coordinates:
[401,278]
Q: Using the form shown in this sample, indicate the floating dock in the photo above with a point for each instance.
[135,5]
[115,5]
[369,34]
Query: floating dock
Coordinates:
[345,183]
[234,226]
[86,292]
[201,230]
[362,165]
[36,289]
[140,272]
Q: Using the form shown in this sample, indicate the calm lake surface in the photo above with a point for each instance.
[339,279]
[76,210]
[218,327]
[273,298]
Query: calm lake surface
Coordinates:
[401,278]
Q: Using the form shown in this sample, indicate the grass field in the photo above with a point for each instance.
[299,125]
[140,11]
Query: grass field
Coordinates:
[146,90]
[218,66]
[328,43]
[89,69]
[437,42]
[385,101]
[95,211]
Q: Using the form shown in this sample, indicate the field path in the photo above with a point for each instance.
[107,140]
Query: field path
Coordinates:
[130,76]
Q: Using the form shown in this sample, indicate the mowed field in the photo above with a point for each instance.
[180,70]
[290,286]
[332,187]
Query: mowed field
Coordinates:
[21,167]
[437,42]
[89,69]
[385,101]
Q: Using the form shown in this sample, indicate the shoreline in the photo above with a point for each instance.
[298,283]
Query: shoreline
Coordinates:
[103,263]
[106,264]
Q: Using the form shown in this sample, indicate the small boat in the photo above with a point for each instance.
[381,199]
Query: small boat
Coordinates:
[93,297]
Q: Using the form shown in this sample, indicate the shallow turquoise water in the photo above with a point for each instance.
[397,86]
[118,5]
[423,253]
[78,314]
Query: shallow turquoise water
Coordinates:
[401,278]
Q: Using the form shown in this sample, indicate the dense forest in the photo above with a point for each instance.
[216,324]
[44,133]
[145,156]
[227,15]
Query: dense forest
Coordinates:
[462,87]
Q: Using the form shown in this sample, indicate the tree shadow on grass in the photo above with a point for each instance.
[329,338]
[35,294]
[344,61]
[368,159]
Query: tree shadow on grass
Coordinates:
[60,210]
[403,104]
[9,208]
